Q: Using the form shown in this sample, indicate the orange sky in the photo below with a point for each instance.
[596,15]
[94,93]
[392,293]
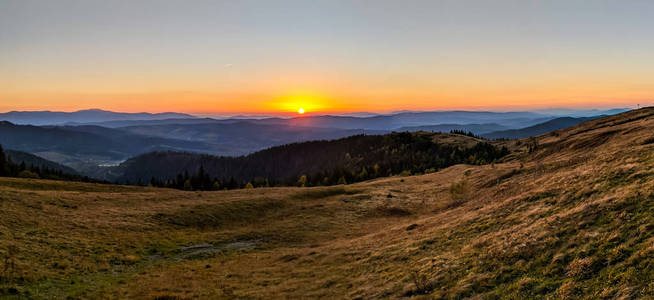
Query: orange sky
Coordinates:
[225,57]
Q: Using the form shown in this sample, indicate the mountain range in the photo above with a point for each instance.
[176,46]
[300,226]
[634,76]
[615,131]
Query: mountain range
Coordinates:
[90,141]
[81,116]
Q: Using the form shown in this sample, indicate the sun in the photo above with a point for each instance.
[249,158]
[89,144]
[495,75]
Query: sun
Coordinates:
[300,111]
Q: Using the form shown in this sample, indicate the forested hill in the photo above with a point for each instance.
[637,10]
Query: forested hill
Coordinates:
[344,160]
[31,160]
[20,164]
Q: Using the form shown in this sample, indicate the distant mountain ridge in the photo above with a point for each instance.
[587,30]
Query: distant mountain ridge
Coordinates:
[82,116]
[538,129]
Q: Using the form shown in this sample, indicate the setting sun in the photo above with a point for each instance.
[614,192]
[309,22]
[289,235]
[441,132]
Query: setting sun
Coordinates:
[302,102]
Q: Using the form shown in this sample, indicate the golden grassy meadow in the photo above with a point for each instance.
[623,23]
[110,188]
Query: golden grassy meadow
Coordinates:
[567,215]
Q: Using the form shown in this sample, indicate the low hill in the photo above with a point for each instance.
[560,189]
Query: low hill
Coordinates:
[567,215]
[19,157]
[477,129]
[549,126]
[353,158]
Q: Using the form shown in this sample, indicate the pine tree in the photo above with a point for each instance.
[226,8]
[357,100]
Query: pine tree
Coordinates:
[3,162]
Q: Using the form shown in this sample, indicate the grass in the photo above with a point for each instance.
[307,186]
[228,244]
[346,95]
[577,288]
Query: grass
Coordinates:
[560,222]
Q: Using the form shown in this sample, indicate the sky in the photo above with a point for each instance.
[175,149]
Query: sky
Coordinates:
[263,57]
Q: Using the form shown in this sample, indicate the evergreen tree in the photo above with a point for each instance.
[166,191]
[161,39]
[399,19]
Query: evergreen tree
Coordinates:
[3,162]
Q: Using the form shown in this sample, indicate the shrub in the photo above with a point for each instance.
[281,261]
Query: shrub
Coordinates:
[459,192]
[28,174]
[302,182]
[422,284]
[9,262]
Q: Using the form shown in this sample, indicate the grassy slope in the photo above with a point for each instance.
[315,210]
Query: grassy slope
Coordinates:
[575,218]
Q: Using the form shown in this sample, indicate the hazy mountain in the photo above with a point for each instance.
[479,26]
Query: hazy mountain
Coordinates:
[552,125]
[244,137]
[395,121]
[183,121]
[82,116]
[368,121]
[581,112]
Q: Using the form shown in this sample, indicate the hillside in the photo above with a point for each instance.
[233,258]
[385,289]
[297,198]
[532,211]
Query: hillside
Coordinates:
[567,215]
[538,129]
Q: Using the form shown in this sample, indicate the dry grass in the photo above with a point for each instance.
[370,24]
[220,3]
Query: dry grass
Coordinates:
[572,219]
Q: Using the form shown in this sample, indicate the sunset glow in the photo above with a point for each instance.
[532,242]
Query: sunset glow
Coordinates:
[326,57]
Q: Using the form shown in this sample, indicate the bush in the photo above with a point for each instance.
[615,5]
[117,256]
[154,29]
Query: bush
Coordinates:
[422,284]
[459,192]
[302,182]
[28,174]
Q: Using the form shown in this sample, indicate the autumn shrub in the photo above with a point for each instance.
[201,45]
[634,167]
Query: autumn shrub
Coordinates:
[459,192]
